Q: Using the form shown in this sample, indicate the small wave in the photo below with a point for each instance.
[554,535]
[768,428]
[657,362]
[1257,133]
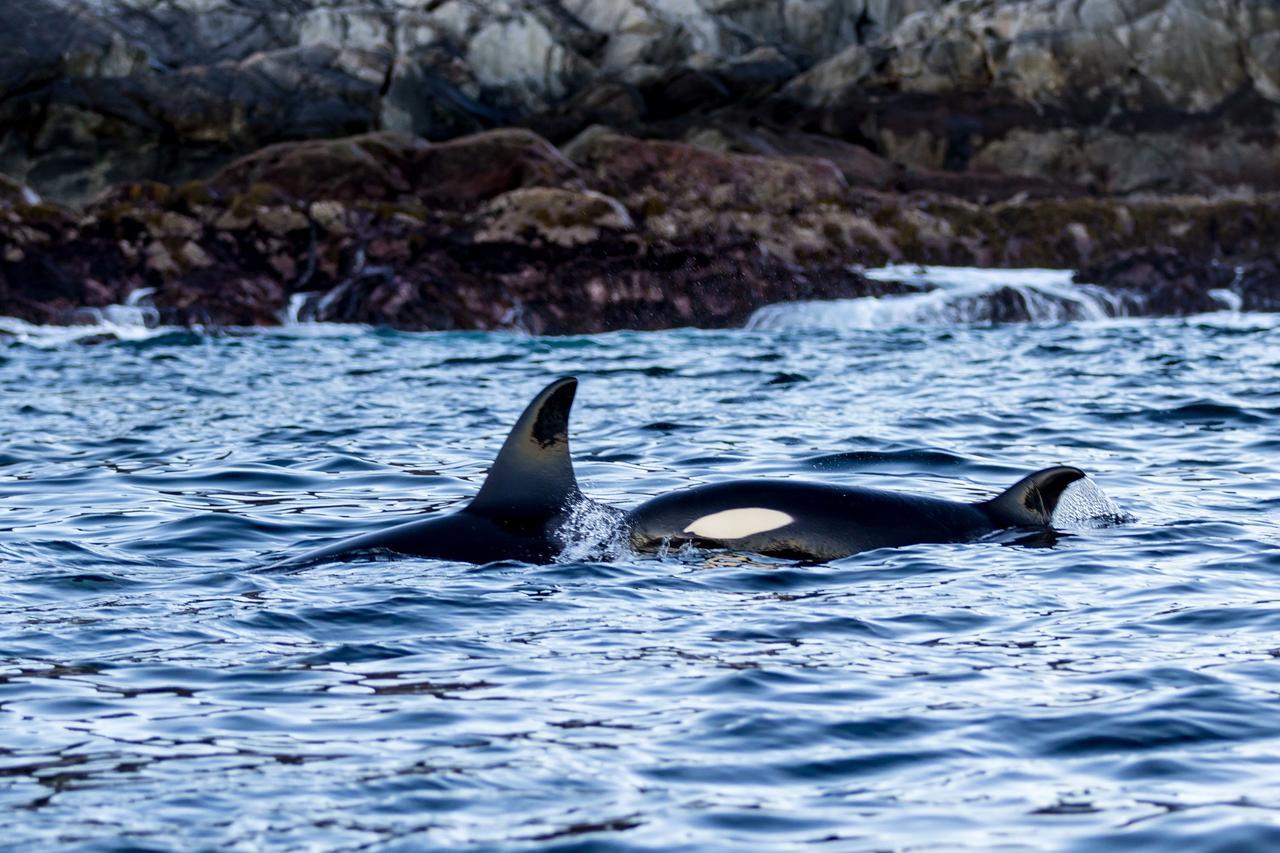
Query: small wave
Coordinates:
[136,320]
[893,460]
[955,295]
[1206,411]
[301,309]
[79,581]
[95,326]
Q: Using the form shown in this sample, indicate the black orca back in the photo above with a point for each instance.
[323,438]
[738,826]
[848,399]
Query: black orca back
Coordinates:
[520,509]
[789,518]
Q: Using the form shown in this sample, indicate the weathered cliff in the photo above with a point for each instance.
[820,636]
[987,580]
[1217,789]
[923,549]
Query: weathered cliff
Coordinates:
[1113,96]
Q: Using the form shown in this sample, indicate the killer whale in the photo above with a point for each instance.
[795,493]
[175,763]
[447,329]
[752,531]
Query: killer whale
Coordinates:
[526,505]
[815,521]
[520,512]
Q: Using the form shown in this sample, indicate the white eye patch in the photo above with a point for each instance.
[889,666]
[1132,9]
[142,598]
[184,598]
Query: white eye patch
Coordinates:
[737,523]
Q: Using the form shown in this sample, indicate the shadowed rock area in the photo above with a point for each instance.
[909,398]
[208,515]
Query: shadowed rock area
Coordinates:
[576,166]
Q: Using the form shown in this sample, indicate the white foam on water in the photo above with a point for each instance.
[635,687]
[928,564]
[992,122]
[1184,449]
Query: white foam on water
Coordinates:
[957,295]
[305,307]
[301,309]
[136,320]
[1228,299]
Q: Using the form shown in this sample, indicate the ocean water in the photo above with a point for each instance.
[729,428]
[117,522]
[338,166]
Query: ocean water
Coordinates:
[1116,687]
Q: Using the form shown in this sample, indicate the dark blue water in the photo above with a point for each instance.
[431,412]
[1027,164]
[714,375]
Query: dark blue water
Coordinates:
[1118,690]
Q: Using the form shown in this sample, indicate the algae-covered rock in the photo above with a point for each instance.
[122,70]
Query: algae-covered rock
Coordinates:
[211,297]
[793,207]
[553,289]
[370,167]
[564,217]
[452,175]
[502,230]
[463,172]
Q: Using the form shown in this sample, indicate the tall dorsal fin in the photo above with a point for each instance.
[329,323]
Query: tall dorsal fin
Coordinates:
[1030,502]
[533,473]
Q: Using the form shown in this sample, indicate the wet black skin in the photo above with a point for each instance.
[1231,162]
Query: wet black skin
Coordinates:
[830,522]
[523,511]
[465,536]
[520,511]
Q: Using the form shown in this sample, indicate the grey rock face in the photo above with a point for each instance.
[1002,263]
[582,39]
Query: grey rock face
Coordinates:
[1108,95]
[98,91]
[1119,95]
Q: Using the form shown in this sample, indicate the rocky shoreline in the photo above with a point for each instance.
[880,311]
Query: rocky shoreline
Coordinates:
[503,230]
[565,167]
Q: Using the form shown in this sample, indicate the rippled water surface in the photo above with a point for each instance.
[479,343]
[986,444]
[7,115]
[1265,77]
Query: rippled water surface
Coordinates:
[1117,690]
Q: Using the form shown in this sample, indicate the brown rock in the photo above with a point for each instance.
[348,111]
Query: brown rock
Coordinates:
[372,167]
[682,174]
[176,226]
[461,173]
[859,166]
[330,215]
[564,217]
[1258,285]
[454,175]
[280,220]
[610,284]
[793,207]
[500,230]
[47,284]
[1161,281]
[211,297]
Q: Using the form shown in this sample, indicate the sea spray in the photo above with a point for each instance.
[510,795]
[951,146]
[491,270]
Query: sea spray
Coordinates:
[592,532]
[1085,504]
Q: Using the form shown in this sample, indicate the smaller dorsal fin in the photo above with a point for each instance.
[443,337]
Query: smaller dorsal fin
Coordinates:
[533,473]
[1030,502]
